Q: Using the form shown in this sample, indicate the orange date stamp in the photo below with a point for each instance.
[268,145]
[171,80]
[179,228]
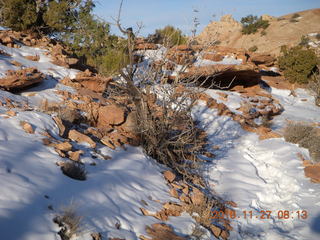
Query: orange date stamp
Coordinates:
[263,214]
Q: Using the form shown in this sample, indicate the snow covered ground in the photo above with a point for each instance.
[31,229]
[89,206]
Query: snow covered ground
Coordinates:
[258,175]
[265,175]
[34,189]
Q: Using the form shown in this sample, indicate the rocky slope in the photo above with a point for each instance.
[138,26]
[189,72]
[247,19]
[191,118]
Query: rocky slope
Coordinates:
[284,30]
[69,117]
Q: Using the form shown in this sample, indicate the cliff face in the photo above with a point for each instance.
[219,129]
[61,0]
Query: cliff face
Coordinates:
[282,31]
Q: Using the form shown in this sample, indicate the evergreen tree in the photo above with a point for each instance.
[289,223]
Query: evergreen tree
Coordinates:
[46,16]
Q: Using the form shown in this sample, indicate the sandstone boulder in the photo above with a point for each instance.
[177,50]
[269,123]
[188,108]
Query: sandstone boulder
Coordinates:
[313,172]
[181,54]
[65,146]
[33,58]
[224,76]
[76,136]
[216,57]
[265,59]
[110,115]
[19,79]
[92,81]
[146,46]
[169,176]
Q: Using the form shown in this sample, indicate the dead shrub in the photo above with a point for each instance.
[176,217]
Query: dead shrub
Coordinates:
[169,134]
[203,211]
[69,222]
[164,123]
[295,132]
[74,170]
[306,136]
[198,233]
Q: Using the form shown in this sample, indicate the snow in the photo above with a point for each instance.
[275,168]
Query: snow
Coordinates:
[44,64]
[112,193]
[264,175]
[258,175]
[32,182]
[225,61]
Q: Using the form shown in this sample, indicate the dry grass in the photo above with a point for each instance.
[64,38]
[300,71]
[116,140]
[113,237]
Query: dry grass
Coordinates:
[306,136]
[74,170]
[198,233]
[69,222]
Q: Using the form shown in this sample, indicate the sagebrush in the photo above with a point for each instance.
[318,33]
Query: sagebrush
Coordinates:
[306,136]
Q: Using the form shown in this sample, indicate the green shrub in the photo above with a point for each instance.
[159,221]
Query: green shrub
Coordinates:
[298,64]
[251,24]
[45,16]
[170,36]
[113,61]
[253,48]
[18,14]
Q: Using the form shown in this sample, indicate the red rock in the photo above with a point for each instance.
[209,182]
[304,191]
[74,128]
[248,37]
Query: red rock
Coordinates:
[27,127]
[115,139]
[173,209]
[146,46]
[17,80]
[197,197]
[92,81]
[33,58]
[81,138]
[181,54]
[215,230]
[313,172]
[161,231]
[62,128]
[265,59]
[11,113]
[174,193]
[129,125]
[65,146]
[224,234]
[110,115]
[169,176]
[220,75]
[213,57]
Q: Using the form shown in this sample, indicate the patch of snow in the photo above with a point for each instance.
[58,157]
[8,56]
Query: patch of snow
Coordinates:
[154,55]
[264,175]
[200,62]
[313,34]
[300,108]
[112,193]
[233,101]
[44,64]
